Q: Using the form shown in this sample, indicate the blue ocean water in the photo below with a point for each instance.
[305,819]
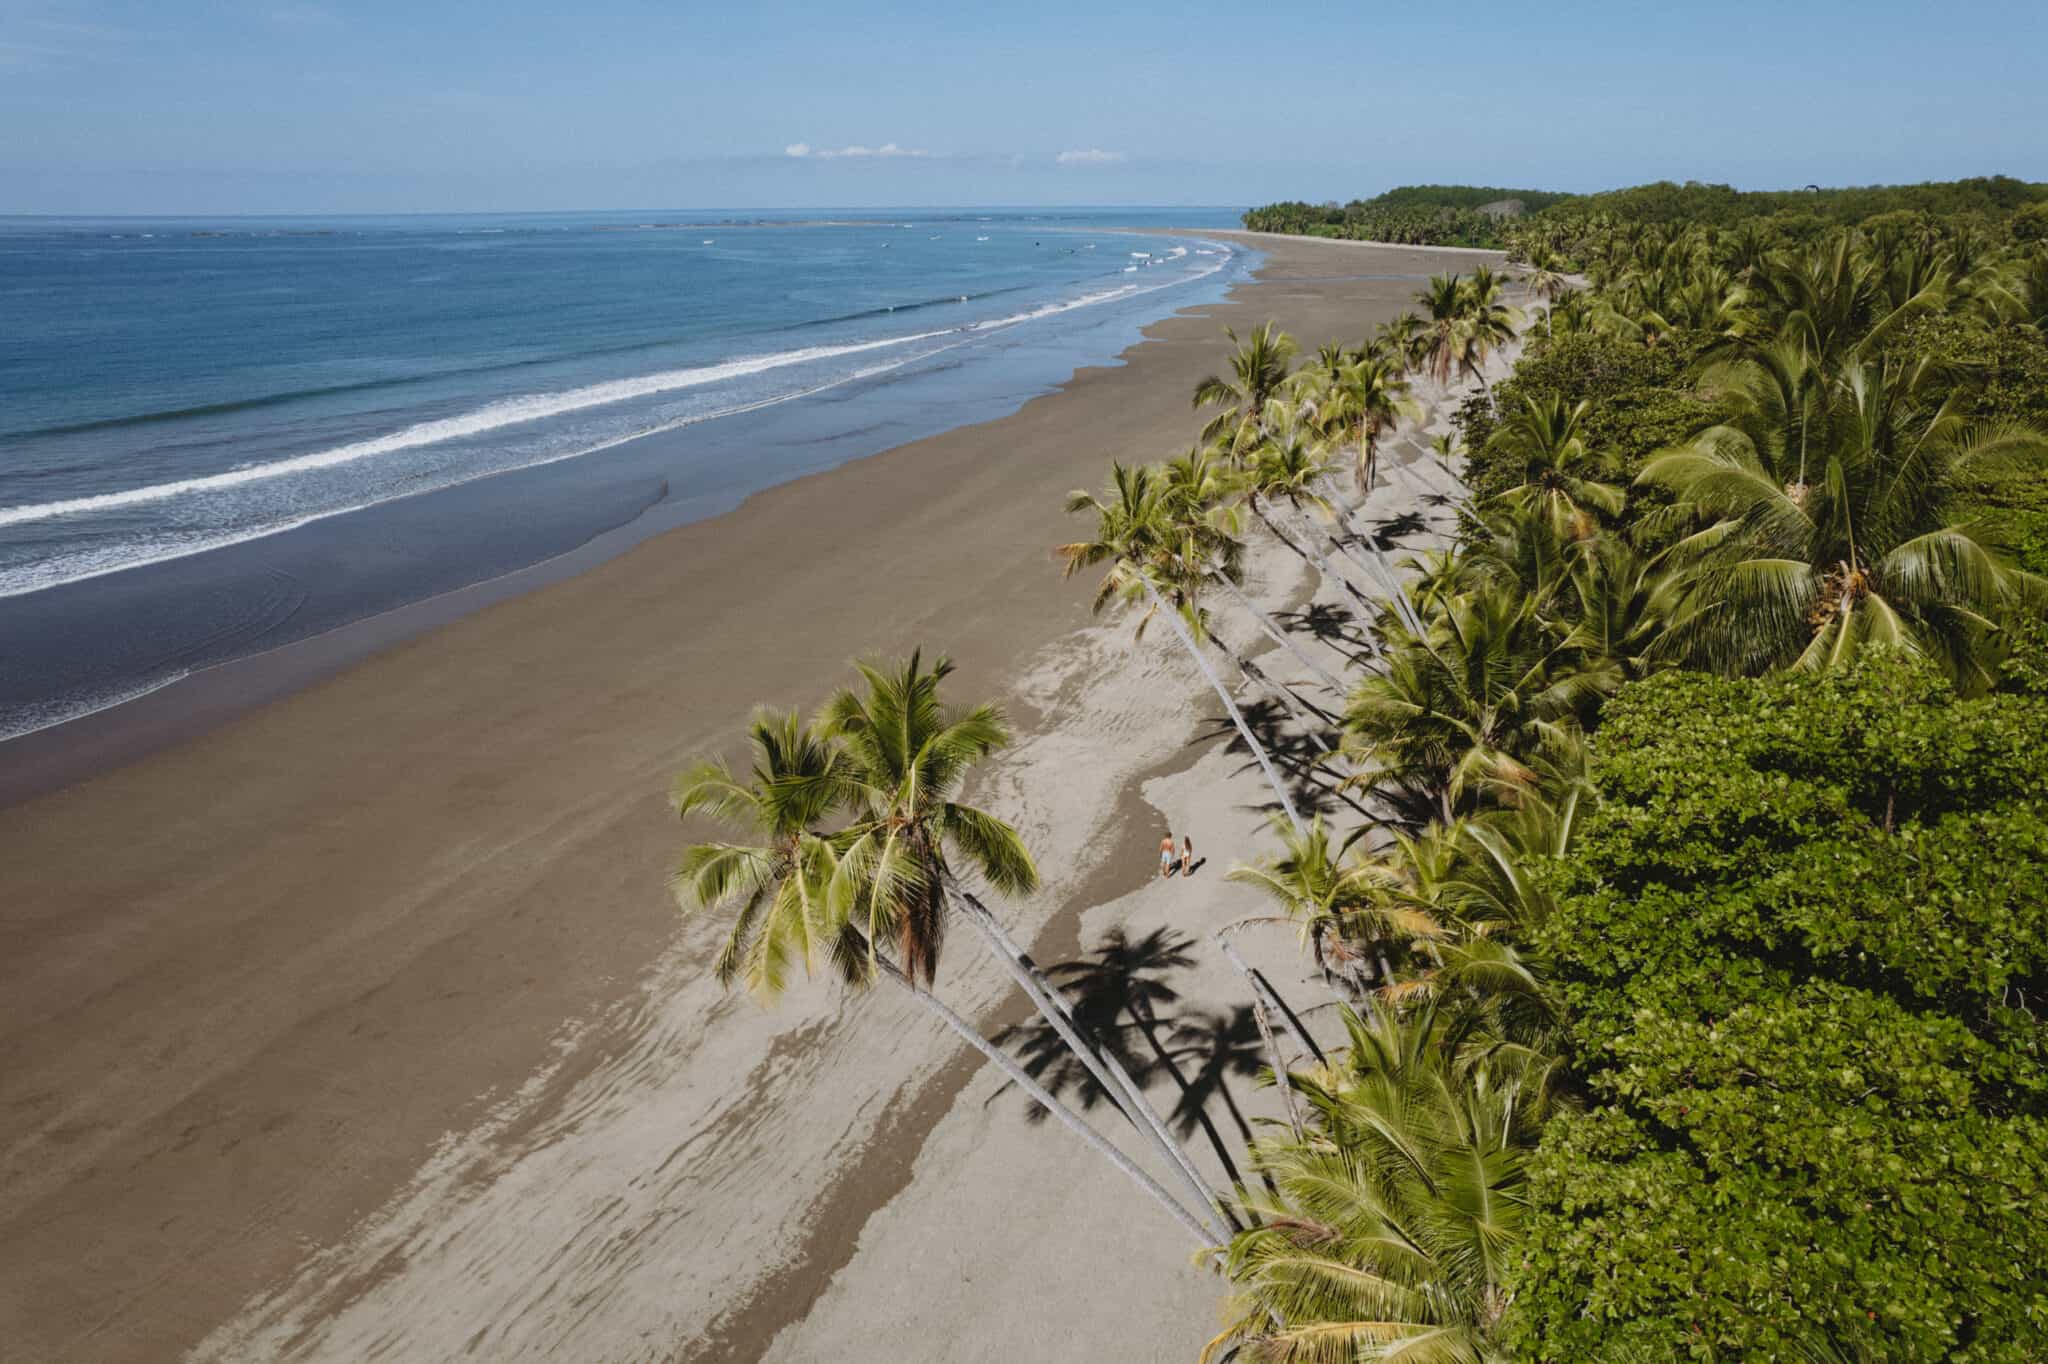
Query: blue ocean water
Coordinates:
[173,390]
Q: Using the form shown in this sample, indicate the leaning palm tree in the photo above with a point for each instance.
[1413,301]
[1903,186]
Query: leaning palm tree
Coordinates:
[1198,492]
[778,880]
[1258,373]
[1790,575]
[906,756]
[1134,538]
[1287,479]
[1394,1233]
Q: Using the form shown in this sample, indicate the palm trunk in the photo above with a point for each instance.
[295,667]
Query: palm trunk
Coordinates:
[1264,990]
[1018,1076]
[1253,673]
[1100,1062]
[1362,610]
[1244,731]
[1279,637]
[1282,1075]
[1383,572]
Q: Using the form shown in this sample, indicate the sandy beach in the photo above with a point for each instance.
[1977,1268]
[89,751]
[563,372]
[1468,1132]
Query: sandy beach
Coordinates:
[360,1026]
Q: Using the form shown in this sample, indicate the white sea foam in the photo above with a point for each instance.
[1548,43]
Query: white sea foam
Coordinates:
[506,412]
[28,719]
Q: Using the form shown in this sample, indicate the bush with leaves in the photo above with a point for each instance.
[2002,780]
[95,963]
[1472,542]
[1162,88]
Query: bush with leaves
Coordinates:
[1801,948]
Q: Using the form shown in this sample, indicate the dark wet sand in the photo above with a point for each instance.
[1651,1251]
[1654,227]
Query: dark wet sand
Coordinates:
[248,981]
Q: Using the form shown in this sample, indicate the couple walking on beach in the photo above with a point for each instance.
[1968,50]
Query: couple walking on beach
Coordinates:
[1170,863]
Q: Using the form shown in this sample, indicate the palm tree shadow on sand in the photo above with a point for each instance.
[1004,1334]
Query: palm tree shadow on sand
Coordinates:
[1315,788]
[1122,1000]
[1332,626]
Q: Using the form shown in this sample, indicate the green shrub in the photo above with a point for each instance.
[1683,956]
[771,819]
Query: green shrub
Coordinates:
[1801,948]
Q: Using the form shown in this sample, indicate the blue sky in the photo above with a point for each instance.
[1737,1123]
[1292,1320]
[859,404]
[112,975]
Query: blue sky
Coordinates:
[320,106]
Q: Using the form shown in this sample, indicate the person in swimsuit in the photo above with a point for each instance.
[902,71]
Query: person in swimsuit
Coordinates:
[1166,860]
[1187,857]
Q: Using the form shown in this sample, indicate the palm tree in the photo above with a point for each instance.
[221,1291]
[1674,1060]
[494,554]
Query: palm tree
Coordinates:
[1443,304]
[1287,467]
[776,882]
[1544,437]
[1133,537]
[1258,368]
[1403,339]
[1808,576]
[1486,324]
[907,755]
[1365,398]
[779,882]
[1467,704]
[1394,1232]
[1776,393]
[1546,281]
[1312,888]
[1196,494]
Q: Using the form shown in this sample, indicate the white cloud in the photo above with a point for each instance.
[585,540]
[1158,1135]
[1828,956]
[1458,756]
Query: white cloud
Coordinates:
[1090,156]
[856,151]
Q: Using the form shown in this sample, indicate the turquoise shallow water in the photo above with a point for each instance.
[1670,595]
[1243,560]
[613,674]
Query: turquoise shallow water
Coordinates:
[220,435]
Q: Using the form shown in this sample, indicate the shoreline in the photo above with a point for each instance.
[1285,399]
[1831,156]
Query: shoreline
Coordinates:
[630,500]
[242,1036]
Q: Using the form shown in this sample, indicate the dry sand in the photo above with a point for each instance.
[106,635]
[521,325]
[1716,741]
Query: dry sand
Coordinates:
[359,1028]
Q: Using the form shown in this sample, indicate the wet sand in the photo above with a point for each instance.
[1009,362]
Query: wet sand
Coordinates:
[360,1027]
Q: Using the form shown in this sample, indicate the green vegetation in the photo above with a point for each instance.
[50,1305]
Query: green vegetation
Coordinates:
[1431,215]
[1450,215]
[1691,945]
[1714,771]
[1798,991]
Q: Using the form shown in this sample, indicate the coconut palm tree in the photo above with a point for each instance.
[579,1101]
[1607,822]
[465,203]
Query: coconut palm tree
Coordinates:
[907,754]
[779,881]
[1404,340]
[1134,538]
[1443,316]
[775,883]
[1544,438]
[1258,373]
[1545,280]
[1393,1235]
[1288,471]
[1466,705]
[1313,890]
[1197,494]
[1365,399]
[1806,577]
[1486,324]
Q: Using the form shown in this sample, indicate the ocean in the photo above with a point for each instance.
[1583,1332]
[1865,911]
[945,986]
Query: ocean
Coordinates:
[219,436]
